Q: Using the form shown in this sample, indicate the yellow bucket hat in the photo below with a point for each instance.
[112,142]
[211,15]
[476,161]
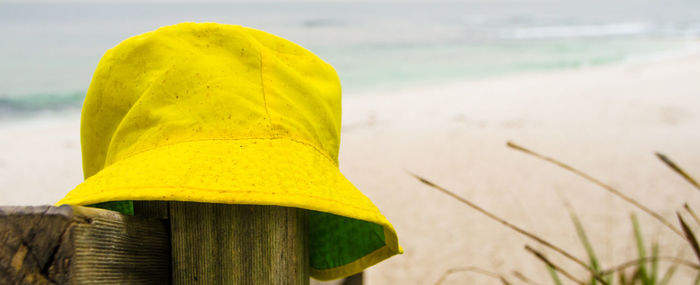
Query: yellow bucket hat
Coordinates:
[226,114]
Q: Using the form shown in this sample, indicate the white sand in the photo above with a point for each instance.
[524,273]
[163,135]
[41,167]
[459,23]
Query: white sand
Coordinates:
[606,121]
[39,159]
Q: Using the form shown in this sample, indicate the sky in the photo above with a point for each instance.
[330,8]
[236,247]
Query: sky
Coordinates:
[188,1]
[250,1]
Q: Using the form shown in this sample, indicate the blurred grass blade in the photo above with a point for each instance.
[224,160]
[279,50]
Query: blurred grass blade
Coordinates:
[622,277]
[555,276]
[473,270]
[599,183]
[653,275]
[692,213]
[522,277]
[668,275]
[595,265]
[636,277]
[697,279]
[634,262]
[689,236]
[641,252]
[553,267]
[509,225]
[678,169]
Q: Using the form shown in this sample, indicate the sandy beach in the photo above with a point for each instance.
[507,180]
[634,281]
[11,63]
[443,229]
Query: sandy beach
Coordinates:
[607,121]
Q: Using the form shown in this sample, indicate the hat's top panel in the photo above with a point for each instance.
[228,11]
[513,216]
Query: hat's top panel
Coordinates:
[192,82]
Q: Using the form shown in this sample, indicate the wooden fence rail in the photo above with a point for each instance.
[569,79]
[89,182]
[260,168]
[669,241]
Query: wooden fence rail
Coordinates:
[79,245]
[164,243]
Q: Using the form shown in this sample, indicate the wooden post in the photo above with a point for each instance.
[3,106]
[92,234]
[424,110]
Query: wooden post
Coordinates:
[357,279]
[79,245]
[200,244]
[235,244]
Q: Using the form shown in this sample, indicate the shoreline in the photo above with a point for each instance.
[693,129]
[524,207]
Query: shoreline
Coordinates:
[604,120]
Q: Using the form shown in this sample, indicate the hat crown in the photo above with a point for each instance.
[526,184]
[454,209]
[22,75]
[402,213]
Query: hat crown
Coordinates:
[196,82]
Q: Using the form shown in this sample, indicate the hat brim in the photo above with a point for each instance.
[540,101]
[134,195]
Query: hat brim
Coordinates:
[257,171]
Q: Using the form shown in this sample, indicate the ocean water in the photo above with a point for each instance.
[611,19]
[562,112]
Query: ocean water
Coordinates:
[49,51]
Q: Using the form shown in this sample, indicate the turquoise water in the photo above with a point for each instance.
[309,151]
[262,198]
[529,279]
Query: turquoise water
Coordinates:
[403,66]
[49,51]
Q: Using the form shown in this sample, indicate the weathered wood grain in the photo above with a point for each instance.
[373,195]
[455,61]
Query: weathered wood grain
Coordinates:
[79,245]
[152,209]
[211,244]
[238,244]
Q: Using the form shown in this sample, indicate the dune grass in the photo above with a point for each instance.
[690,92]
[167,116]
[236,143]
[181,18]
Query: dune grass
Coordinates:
[643,270]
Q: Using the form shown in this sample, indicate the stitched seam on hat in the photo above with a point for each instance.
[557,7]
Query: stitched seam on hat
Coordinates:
[232,191]
[332,161]
[262,82]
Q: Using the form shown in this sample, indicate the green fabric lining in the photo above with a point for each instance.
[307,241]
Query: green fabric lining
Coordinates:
[336,241]
[124,207]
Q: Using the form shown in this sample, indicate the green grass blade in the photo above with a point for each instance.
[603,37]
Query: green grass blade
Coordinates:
[636,277]
[581,232]
[678,170]
[667,276]
[641,267]
[697,279]
[689,236]
[622,277]
[692,213]
[553,273]
[654,262]
[610,278]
